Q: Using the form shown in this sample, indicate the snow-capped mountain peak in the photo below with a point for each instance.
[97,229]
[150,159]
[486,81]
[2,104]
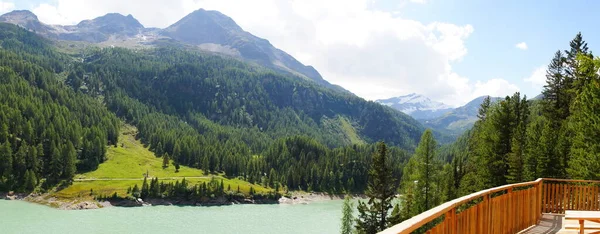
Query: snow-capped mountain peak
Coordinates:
[417,106]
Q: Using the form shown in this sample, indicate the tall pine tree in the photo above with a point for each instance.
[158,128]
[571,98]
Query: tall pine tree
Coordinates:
[381,189]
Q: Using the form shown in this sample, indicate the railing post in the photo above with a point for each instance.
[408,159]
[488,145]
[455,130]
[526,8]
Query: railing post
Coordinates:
[540,201]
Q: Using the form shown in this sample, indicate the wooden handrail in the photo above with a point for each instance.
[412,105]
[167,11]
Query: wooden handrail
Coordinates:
[524,201]
[416,222]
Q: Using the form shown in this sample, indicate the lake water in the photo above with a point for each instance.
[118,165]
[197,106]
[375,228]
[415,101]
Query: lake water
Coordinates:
[317,217]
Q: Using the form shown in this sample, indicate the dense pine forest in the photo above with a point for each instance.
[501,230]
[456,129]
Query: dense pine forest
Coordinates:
[60,112]
[514,140]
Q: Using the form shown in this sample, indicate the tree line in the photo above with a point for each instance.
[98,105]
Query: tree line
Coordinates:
[514,140]
[48,132]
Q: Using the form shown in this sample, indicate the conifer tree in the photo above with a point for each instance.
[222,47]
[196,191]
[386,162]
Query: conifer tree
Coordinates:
[347,216]
[427,172]
[5,162]
[69,159]
[30,180]
[165,163]
[145,189]
[381,189]
[585,123]
[396,216]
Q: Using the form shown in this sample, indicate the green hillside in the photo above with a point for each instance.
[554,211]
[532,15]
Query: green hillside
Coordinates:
[62,115]
[127,164]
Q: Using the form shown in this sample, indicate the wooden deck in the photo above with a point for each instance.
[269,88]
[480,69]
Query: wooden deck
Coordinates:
[555,224]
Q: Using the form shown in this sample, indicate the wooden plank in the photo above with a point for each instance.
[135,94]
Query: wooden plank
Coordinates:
[579,214]
[571,181]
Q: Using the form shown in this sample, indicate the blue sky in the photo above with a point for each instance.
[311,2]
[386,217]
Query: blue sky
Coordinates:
[545,26]
[449,50]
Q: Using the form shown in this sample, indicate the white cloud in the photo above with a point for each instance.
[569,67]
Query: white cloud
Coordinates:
[522,46]
[373,53]
[419,1]
[494,88]
[6,6]
[537,79]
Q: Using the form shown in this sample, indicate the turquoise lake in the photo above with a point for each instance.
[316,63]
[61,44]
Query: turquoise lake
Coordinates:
[316,217]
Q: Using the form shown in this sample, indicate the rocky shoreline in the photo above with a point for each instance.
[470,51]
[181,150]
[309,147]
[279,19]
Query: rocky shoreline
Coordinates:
[46,199]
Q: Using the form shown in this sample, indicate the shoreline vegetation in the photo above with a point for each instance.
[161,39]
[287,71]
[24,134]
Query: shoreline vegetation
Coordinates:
[293,198]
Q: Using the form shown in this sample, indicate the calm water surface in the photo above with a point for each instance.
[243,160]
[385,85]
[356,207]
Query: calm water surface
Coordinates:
[317,217]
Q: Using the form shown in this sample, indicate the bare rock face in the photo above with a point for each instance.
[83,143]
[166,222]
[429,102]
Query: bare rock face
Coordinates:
[26,19]
[112,25]
[86,205]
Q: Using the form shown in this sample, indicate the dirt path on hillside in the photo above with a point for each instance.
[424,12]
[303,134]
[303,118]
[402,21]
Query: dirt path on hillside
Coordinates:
[138,179]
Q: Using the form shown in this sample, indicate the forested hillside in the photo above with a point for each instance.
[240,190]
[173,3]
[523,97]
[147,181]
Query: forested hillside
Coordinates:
[47,131]
[516,140]
[60,112]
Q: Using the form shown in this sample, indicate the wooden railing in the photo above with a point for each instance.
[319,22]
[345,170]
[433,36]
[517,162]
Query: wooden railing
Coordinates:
[560,195]
[505,209]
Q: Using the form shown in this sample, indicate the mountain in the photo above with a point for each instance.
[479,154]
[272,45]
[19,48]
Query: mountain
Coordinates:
[224,116]
[214,31]
[111,26]
[103,28]
[204,30]
[417,106]
[27,20]
[459,119]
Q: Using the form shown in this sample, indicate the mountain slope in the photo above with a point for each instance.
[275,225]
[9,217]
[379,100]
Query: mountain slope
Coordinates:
[108,27]
[217,32]
[223,116]
[460,119]
[204,30]
[417,106]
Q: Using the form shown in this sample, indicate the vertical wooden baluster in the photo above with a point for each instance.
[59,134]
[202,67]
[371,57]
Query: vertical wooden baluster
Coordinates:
[461,228]
[595,197]
[528,206]
[506,212]
[586,197]
[521,212]
[546,197]
[555,198]
[472,220]
[528,202]
[486,214]
[482,215]
[496,211]
[550,198]
[569,196]
[565,198]
[540,192]
[576,194]
[509,200]
[592,195]
[561,195]
[538,201]
[451,221]
[583,197]
[580,197]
